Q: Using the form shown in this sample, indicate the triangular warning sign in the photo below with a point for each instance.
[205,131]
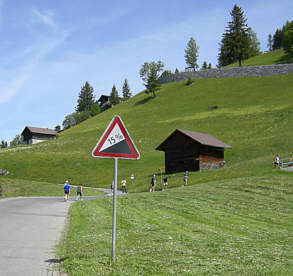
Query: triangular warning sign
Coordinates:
[116,142]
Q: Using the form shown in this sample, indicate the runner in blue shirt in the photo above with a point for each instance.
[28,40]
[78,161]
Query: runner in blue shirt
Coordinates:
[66,190]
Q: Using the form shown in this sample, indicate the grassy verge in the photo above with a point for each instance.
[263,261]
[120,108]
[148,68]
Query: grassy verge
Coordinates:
[16,187]
[241,226]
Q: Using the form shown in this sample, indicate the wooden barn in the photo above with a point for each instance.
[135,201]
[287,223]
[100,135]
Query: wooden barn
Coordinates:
[34,135]
[192,151]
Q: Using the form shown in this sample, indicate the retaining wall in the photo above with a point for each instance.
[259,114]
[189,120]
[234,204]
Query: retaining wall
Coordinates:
[248,71]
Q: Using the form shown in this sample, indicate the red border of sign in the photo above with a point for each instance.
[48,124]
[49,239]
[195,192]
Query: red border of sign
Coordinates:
[134,152]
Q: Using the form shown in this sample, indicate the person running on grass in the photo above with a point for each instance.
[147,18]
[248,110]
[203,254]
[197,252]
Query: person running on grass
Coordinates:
[79,192]
[123,182]
[153,183]
[165,183]
[185,178]
[66,190]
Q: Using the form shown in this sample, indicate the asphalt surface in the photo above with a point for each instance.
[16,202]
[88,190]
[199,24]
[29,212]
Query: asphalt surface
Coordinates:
[30,228]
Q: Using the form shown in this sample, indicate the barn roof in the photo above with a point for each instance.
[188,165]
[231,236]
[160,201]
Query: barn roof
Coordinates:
[202,138]
[40,130]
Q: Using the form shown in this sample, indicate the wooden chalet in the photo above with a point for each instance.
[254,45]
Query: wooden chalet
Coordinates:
[103,100]
[34,135]
[192,151]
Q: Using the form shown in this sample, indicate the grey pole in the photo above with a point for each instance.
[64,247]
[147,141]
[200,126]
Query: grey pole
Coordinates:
[114,209]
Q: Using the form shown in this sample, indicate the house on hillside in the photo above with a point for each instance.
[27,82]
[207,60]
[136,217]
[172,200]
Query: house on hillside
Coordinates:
[192,151]
[34,135]
[103,100]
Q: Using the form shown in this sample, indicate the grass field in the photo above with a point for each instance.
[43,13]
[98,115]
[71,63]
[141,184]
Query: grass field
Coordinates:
[16,187]
[241,226]
[254,116]
[231,221]
[273,57]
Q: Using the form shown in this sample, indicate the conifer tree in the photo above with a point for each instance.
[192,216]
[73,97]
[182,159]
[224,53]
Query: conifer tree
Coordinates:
[85,98]
[288,40]
[126,90]
[254,44]
[235,41]
[191,54]
[270,43]
[114,97]
[204,66]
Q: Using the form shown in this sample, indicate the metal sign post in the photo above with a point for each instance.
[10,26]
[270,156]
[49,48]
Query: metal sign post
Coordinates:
[115,143]
[114,209]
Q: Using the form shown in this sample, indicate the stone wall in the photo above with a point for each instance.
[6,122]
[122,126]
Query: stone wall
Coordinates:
[248,71]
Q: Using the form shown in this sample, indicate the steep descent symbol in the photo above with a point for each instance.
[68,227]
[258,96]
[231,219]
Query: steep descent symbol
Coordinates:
[116,142]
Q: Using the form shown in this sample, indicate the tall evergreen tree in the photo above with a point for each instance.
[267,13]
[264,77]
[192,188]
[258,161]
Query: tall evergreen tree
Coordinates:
[114,97]
[86,98]
[254,44]
[235,41]
[191,54]
[277,39]
[126,90]
[288,40]
[270,43]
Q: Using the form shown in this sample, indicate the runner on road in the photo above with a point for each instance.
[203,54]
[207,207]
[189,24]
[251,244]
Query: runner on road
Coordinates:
[66,190]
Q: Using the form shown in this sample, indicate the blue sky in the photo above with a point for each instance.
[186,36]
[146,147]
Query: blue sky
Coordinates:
[49,48]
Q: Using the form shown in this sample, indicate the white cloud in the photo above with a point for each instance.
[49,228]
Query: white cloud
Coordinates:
[46,18]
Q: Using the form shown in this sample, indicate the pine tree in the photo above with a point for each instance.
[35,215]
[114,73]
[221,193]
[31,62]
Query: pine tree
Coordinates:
[254,44]
[288,40]
[270,43]
[235,44]
[204,66]
[126,90]
[114,97]
[277,39]
[176,71]
[210,66]
[191,54]
[86,98]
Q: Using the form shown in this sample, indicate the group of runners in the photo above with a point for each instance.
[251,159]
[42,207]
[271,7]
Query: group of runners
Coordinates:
[165,182]
[66,187]
[123,186]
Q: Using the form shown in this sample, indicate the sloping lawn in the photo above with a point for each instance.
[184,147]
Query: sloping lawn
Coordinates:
[241,226]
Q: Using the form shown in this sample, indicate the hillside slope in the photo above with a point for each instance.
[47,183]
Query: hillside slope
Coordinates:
[254,115]
[272,57]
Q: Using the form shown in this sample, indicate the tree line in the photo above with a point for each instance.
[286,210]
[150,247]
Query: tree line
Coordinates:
[87,106]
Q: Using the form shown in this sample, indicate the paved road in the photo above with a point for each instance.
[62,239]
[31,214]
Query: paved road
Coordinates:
[29,230]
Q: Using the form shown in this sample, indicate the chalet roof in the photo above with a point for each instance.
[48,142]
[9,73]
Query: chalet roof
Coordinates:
[40,130]
[202,138]
[103,97]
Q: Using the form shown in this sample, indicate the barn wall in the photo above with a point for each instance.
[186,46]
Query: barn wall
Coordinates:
[179,162]
[210,162]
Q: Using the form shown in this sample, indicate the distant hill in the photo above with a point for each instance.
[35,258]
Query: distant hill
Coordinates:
[254,116]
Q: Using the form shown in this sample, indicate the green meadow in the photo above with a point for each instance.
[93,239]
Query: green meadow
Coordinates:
[231,221]
[17,187]
[272,57]
[254,116]
[240,226]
